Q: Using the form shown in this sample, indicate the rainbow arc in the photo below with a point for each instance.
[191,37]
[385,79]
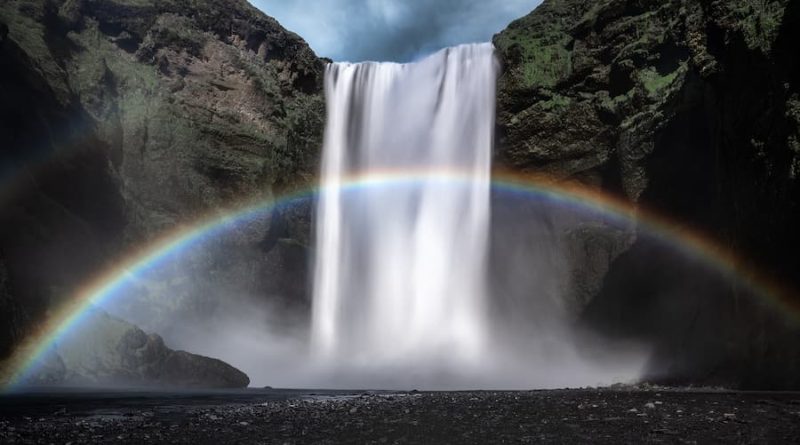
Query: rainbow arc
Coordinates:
[110,283]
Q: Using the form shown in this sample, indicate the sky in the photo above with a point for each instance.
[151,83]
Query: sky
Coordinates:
[392,30]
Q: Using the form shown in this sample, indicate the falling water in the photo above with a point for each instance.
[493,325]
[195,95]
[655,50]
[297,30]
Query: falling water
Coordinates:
[400,276]
[401,283]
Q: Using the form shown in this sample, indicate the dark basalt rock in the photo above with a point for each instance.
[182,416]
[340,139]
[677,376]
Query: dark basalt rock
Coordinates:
[105,350]
[687,107]
[123,119]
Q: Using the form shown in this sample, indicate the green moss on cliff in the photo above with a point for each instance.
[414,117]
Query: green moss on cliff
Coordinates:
[537,48]
[759,21]
[655,83]
[555,103]
[545,59]
[686,106]
[25,28]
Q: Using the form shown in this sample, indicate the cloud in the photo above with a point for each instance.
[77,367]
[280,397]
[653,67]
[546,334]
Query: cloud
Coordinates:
[392,30]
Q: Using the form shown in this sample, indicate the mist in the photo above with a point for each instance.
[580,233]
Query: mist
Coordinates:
[201,304]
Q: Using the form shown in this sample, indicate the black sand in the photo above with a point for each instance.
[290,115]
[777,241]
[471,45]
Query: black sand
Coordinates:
[278,416]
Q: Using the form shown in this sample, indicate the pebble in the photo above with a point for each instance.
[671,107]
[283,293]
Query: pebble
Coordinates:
[385,421]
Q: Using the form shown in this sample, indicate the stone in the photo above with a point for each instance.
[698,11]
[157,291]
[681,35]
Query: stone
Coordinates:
[662,105]
[161,113]
[104,350]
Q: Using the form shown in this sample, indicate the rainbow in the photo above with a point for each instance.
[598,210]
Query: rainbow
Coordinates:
[106,286]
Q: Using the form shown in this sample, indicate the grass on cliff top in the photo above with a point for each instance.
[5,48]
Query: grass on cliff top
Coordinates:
[655,83]
[759,21]
[545,58]
[29,35]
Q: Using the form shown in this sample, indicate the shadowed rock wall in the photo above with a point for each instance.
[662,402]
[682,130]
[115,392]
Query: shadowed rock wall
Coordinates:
[689,108]
[122,119]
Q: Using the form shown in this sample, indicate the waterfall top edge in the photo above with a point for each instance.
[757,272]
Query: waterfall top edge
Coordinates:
[439,53]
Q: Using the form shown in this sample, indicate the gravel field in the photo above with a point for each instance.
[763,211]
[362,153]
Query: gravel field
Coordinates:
[655,415]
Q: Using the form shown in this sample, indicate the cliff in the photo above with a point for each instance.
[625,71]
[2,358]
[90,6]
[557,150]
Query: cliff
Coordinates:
[120,119]
[687,107]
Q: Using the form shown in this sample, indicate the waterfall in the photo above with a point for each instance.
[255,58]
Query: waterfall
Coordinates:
[400,271]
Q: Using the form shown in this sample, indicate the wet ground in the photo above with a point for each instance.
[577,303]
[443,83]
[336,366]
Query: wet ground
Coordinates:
[629,415]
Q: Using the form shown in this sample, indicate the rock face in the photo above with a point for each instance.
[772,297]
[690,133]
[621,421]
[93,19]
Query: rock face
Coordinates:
[105,350]
[683,106]
[120,119]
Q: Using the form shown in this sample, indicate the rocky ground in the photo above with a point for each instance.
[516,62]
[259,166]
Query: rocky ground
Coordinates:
[650,415]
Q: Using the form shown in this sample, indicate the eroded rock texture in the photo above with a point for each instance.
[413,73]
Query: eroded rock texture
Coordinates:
[121,119]
[105,350]
[687,107]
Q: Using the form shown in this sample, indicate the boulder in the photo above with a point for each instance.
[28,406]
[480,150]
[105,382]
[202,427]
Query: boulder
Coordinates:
[104,351]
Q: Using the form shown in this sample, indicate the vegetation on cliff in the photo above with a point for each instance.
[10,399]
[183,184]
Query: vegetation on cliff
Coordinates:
[125,118]
[688,107]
